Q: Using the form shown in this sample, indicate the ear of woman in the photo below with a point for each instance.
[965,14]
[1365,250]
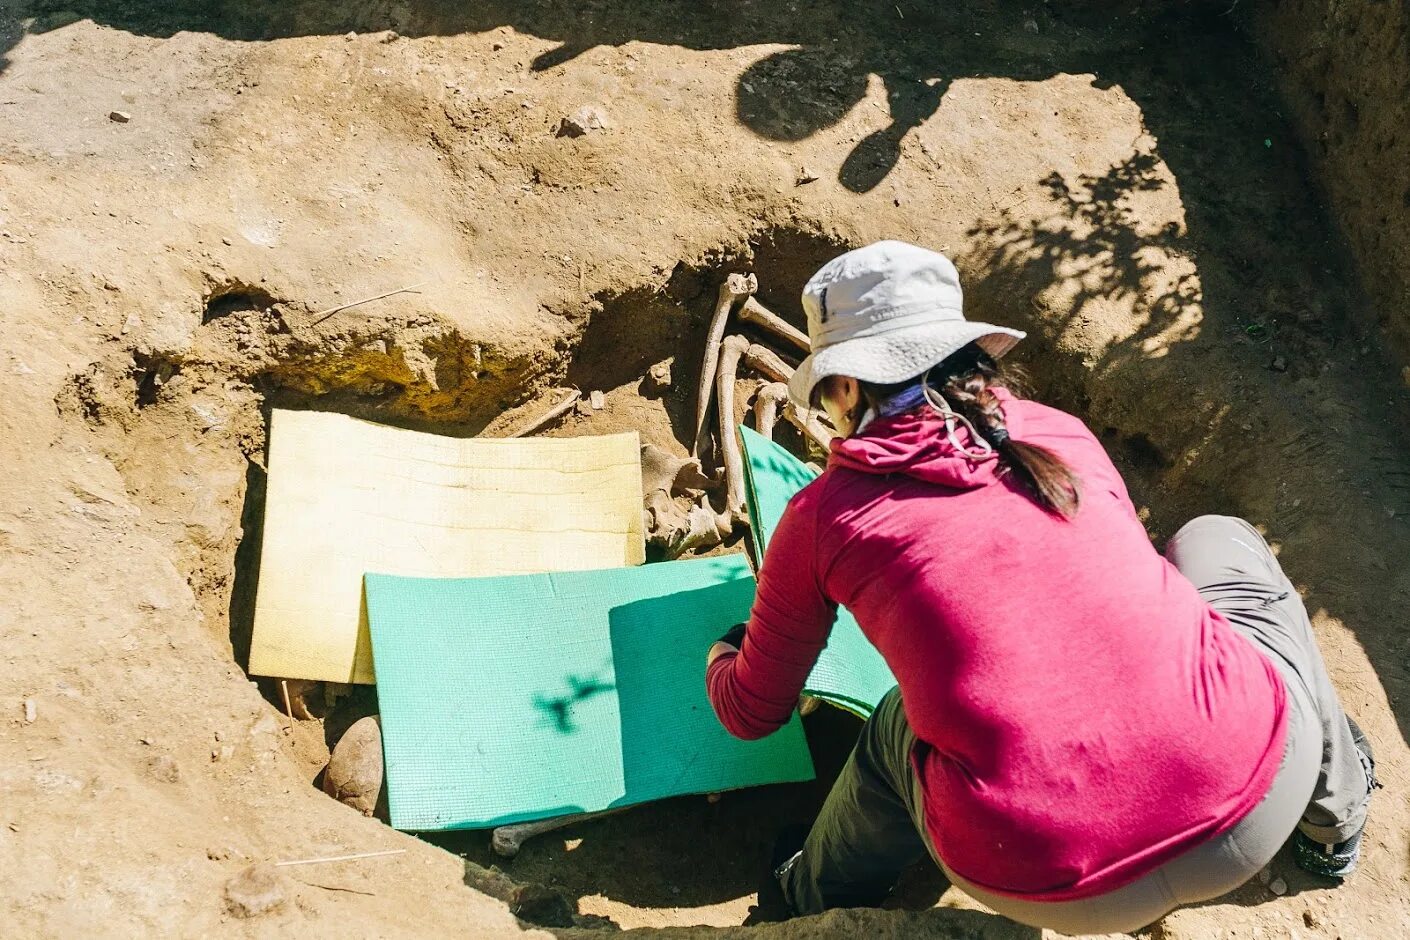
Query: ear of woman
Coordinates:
[841,397]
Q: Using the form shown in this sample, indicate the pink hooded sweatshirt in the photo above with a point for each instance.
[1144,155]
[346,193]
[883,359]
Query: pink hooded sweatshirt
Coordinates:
[1083,715]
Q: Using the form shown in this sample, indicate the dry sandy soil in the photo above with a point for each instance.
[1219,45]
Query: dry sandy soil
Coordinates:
[1123,185]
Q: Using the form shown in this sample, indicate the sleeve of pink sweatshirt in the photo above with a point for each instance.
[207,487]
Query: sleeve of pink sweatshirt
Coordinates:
[755,690]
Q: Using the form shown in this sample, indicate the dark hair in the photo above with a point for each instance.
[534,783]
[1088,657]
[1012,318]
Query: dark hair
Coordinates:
[966,380]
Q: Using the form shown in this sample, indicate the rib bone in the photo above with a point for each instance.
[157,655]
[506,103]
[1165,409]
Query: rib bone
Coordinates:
[734,287]
[756,313]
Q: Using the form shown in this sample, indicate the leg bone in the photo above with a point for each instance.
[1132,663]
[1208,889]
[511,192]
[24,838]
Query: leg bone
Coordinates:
[735,286]
[508,840]
[730,352]
[761,316]
[771,397]
[766,362]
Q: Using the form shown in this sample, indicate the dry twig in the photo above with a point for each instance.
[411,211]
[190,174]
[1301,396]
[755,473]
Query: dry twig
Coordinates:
[549,416]
[322,315]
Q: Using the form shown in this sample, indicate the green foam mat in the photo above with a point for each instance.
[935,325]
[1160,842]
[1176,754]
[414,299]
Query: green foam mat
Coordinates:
[850,673]
[525,697]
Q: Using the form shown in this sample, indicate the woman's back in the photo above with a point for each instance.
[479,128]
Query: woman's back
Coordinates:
[1084,715]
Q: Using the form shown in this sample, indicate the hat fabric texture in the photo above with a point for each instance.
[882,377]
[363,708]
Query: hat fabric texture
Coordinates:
[886,313]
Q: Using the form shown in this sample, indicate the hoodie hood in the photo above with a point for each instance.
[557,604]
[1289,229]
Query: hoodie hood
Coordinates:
[914,443]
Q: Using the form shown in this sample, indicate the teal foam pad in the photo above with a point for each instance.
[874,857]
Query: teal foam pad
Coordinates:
[850,673]
[525,697]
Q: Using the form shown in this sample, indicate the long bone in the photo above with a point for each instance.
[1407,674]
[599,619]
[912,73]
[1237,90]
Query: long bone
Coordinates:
[754,312]
[735,286]
[767,401]
[508,840]
[809,425]
[766,362]
[731,350]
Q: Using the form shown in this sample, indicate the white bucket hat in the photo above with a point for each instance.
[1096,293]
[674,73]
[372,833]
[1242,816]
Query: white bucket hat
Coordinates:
[886,313]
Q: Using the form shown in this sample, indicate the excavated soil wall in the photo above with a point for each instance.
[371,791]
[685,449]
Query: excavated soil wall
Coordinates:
[1345,72]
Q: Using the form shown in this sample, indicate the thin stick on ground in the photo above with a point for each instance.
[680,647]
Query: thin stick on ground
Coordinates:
[288,708]
[322,315]
[339,858]
[551,415]
[314,884]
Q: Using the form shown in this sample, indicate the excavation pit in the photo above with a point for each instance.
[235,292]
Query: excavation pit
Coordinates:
[1141,196]
[706,858]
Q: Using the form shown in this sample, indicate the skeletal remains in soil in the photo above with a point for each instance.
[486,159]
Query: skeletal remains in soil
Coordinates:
[677,514]
[723,357]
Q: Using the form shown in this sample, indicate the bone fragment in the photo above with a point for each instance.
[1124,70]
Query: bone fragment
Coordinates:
[508,840]
[766,362]
[730,352]
[754,312]
[809,425]
[548,417]
[735,286]
[676,476]
[770,398]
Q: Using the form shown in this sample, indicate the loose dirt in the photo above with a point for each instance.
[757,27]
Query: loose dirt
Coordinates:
[1123,187]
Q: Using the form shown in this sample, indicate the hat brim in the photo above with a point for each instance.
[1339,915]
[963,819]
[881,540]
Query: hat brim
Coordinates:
[895,357]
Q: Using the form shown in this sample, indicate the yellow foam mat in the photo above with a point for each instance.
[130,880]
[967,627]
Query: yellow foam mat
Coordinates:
[347,496]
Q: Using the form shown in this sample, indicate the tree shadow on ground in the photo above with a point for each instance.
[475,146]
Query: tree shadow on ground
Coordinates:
[915,49]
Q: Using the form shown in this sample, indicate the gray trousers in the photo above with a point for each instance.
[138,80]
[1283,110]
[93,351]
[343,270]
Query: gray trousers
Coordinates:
[872,827]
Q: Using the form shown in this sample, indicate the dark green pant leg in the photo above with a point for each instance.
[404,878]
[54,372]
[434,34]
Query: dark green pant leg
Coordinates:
[868,831]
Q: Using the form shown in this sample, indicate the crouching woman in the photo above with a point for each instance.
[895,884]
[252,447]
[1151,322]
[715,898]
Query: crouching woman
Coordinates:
[1086,734]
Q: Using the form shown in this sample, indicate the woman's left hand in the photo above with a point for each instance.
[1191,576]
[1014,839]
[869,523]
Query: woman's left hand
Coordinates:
[718,649]
[731,642]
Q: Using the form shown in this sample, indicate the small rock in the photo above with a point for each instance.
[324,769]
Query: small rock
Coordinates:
[132,322]
[1278,886]
[496,46]
[390,35]
[598,400]
[659,376]
[1265,876]
[256,890]
[805,175]
[121,117]
[1031,26]
[586,119]
[350,36]
[164,768]
[31,711]
[355,771]
[1405,376]
[1311,919]
[226,241]
[1279,364]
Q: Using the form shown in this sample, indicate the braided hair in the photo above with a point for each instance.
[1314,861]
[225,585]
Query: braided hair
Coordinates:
[966,380]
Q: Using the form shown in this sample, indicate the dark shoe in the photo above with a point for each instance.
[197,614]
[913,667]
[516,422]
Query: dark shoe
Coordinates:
[1327,859]
[1338,860]
[773,902]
